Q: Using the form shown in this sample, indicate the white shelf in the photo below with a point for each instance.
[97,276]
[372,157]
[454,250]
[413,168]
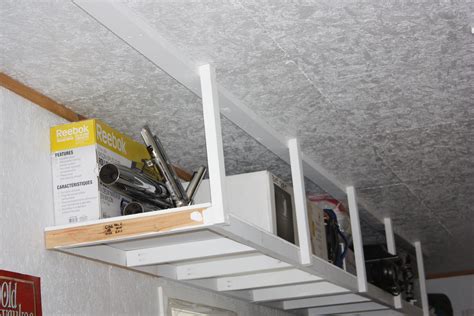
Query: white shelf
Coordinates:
[233,258]
[206,246]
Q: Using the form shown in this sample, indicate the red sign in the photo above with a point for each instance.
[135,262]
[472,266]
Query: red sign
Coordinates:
[20,294]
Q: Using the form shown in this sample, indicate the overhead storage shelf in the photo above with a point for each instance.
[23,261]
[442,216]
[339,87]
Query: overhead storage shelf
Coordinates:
[207,246]
[234,258]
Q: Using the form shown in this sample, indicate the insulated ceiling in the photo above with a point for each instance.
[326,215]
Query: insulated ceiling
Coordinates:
[379,92]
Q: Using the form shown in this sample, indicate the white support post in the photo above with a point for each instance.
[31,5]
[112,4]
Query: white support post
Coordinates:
[301,208]
[391,248]
[422,278]
[357,239]
[215,151]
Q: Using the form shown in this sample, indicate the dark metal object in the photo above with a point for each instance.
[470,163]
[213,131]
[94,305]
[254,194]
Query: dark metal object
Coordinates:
[334,239]
[160,160]
[148,194]
[383,269]
[135,184]
[195,182]
[137,208]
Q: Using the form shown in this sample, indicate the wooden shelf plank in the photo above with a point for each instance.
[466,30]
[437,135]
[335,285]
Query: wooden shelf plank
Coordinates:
[123,227]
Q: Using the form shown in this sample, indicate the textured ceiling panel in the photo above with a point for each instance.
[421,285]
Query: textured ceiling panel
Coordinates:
[250,63]
[406,211]
[380,93]
[351,158]
[393,64]
[77,62]
[442,153]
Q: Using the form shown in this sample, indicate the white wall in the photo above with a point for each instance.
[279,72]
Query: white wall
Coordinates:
[70,285]
[460,291]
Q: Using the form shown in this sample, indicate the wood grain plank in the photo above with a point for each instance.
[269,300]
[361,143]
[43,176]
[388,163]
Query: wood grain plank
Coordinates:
[58,109]
[449,274]
[122,227]
[38,98]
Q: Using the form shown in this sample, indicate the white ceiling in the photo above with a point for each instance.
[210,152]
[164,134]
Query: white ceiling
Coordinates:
[381,93]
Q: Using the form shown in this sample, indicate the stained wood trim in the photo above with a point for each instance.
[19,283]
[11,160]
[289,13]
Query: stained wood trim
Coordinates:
[182,174]
[109,230]
[38,98]
[57,108]
[449,274]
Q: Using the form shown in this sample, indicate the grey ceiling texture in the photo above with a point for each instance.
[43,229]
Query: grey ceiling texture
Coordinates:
[380,93]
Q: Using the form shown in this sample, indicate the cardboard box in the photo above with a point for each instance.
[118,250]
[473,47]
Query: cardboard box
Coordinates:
[78,150]
[349,262]
[258,198]
[317,230]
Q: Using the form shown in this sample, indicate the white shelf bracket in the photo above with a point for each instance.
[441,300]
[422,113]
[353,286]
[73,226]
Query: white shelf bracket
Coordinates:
[301,208]
[214,147]
[357,239]
[391,248]
[422,278]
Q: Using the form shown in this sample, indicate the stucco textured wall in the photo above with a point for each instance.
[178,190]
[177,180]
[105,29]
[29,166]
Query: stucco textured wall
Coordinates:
[70,285]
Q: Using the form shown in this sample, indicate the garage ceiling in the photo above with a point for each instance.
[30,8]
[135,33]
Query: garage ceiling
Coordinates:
[380,93]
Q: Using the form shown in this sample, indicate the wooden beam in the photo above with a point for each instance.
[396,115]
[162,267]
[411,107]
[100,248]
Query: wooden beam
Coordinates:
[182,174]
[58,109]
[449,274]
[118,228]
[38,98]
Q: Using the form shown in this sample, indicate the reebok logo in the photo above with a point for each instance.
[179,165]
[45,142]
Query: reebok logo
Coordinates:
[72,131]
[111,140]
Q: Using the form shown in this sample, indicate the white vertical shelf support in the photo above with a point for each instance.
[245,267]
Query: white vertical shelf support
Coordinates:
[357,239]
[213,132]
[422,278]
[300,201]
[392,249]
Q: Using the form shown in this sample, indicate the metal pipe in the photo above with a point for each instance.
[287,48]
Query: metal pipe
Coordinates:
[160,159]
[138,208]
[195,182]
[135,185]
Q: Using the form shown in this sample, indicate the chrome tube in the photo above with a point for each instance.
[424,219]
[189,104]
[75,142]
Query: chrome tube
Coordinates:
[160,159]
[135,185]
[138,208]
[195,182]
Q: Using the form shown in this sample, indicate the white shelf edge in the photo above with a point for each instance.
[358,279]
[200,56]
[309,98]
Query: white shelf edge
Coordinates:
[133,216]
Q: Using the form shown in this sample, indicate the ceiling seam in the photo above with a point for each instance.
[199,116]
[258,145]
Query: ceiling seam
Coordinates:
[420,201]
[381,186]
[290,60]
[422,127]
[432,214]
[286,54]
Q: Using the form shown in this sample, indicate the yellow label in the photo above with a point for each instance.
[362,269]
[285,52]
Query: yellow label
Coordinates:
[93,131]
[119,143]
[72,135]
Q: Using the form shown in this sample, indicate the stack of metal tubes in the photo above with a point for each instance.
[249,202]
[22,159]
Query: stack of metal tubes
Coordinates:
[145,192]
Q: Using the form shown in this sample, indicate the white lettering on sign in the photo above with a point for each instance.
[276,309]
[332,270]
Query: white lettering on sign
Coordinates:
[111,140]
[8,295]
[8,302]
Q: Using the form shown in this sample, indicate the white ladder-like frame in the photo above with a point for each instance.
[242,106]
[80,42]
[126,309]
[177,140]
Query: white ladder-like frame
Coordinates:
[210,99]
[140,36]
